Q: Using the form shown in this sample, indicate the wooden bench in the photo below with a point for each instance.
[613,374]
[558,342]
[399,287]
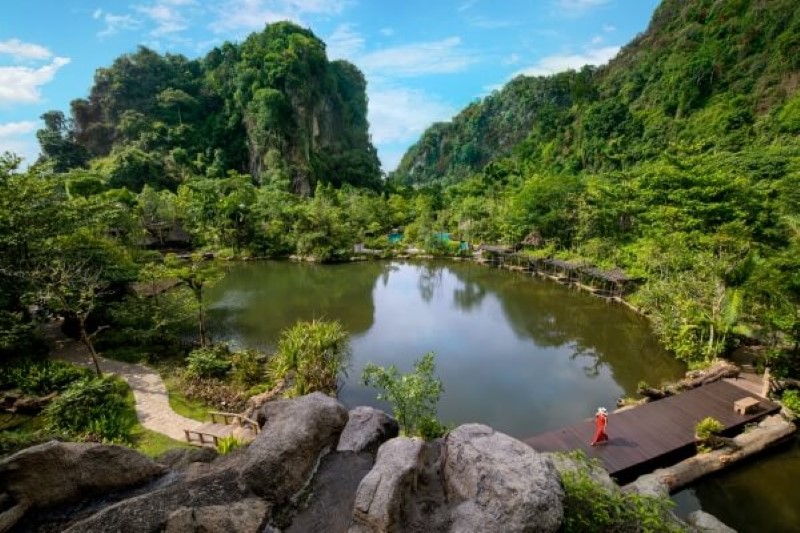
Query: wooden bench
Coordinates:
[745,406]
[222,425]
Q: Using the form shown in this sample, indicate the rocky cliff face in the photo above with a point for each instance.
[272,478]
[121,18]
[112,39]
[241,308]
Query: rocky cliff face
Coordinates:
[312,468]
[272,106]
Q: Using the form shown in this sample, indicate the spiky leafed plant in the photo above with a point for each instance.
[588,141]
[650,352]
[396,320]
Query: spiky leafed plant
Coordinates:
[311,356]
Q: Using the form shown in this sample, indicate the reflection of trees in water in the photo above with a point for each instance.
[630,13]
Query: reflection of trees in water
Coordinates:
[469,294]
[555,316]
[275,295]
[430,278]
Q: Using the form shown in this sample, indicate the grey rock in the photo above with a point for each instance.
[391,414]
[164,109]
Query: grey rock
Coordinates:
[649,485]
[497,483]
[707,523]
[382,494]
[181,458]
[333,492]
[60,472]
[246,516]
[284,455]
[367,428]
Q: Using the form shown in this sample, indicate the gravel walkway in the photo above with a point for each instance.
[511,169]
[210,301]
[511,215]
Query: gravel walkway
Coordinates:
[152,401]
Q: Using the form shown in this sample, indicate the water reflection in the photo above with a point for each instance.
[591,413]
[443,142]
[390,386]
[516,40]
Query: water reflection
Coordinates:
[520,354]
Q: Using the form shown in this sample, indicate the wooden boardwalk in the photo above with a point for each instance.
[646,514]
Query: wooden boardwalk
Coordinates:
[655,434]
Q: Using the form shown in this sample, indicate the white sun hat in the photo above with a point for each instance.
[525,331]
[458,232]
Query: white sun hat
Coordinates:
[602,411]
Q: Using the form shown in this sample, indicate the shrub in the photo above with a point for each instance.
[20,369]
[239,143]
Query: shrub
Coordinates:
[311,355]
[226,445]
[791,400]
[41,377]
[590,506]
[92,410]
[247,369]
[413,396]
[706,432]
[707,428]
[208,362]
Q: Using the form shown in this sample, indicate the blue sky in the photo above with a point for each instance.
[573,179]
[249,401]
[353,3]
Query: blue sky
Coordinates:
[424,60]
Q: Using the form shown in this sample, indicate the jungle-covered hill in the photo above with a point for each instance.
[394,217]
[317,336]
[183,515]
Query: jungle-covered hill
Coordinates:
[272,106]
[679,161]
[707,75]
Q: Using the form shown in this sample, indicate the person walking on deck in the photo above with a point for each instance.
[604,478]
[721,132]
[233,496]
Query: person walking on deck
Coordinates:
[601,421]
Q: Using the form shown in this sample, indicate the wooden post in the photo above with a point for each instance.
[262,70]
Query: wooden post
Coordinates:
[765,385]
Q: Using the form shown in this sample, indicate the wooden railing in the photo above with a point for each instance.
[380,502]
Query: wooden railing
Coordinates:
[239,419]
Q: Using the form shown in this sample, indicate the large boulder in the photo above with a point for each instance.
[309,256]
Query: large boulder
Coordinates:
[180,458]
[367,428]
[282,458]
[246,516]
[497,483]
[383,493]
[332,493]
[707,523]
[59,472]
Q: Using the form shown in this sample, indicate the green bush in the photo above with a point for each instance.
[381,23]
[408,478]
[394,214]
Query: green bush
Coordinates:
[791,400]
[707,428]
[589,506]
[41,377]
[247,369]
[208,362]
[413,396]
[92,410]
[311,356]
[226,445]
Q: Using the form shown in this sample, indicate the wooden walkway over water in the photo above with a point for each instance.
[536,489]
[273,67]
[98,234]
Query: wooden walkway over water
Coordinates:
[655,434]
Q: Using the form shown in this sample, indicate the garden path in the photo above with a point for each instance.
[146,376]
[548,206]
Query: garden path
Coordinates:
[149,391]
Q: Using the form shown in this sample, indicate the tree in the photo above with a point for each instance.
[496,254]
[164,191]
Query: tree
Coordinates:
[413,396]
[198,274]
[74,287]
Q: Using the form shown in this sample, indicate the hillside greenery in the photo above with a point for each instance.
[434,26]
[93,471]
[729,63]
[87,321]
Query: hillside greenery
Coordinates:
[678,162]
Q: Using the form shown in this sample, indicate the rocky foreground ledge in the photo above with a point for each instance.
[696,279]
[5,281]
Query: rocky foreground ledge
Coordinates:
[314,467]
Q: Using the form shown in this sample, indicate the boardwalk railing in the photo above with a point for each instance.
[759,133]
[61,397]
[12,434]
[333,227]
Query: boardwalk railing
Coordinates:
[240,420]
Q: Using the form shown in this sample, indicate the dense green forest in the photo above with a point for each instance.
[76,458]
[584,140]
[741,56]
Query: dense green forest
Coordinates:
[678,162]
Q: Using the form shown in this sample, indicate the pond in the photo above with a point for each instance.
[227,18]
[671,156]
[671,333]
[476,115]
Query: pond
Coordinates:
[520,354]
[517,353]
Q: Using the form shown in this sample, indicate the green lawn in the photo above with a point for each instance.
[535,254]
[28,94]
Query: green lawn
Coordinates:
[194,409]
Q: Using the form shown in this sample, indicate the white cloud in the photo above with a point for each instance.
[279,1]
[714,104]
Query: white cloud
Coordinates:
[17,137]
[511,59]
[244,15]
[561,62]
[597,39]
[578,7]
[609,28]
[399,114]
[344,42]
[10,129]
[416,59]
[466,5]
[20,50]
[114,23]
[166,15]
[22,84]
[387,32]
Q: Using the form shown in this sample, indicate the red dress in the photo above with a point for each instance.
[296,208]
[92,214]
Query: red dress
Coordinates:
[600,435]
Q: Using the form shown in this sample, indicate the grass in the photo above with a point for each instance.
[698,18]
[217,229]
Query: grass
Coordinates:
[194,409]
[144,440]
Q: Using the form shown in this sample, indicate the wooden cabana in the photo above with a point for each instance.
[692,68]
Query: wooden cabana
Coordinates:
[561,271]
[612,282]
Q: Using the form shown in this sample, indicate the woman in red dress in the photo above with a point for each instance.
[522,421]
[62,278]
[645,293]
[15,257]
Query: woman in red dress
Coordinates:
[601,421]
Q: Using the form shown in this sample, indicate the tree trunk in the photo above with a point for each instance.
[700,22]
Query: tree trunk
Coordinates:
[87,341]
[769,432]
[201,317]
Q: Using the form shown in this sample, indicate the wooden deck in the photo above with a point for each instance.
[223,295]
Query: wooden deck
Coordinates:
[655,434]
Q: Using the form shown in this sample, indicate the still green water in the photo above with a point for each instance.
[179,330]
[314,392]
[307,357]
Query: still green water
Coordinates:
[517,353]
[520,354]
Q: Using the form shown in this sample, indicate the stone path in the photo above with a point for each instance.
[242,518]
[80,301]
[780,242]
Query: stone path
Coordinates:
[152,401]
